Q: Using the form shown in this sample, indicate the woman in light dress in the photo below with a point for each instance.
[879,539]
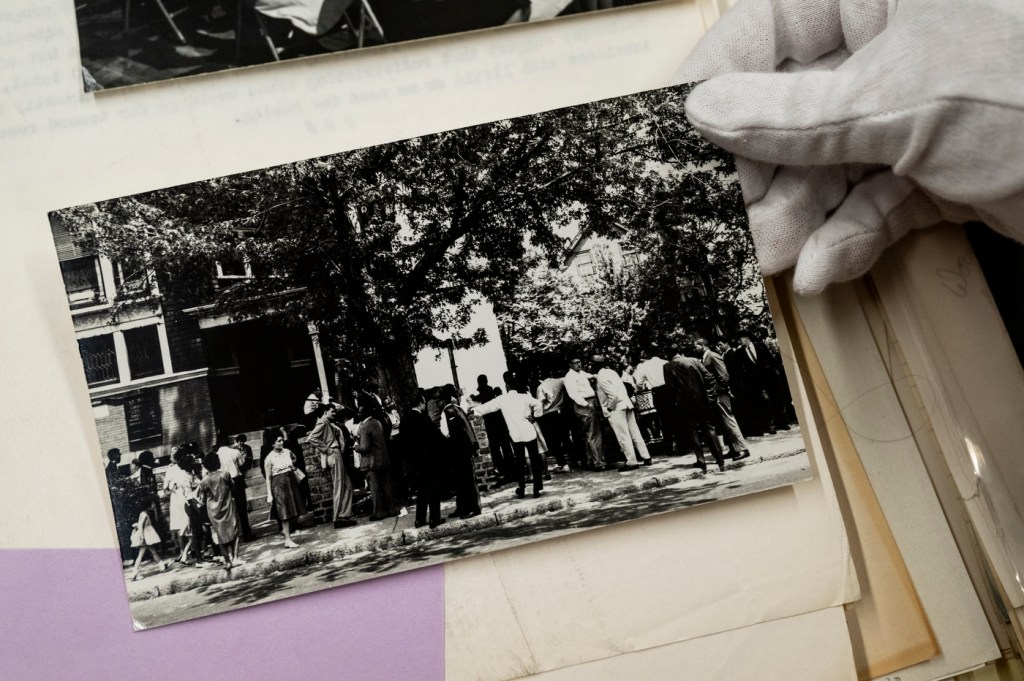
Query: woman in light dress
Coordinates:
[180,485]
[145,539]
[283,488]
[145,536]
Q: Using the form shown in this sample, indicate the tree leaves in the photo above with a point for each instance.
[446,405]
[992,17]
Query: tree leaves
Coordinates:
[394,243]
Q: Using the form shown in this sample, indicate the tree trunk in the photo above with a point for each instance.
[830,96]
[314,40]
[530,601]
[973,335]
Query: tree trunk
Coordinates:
[397,373]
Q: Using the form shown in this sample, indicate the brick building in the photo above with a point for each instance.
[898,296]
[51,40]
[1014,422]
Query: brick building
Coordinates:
[161,374]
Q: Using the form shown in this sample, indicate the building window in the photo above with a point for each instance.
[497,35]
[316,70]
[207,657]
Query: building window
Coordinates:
[99,359]
[131,283]
[234,268]
[83,281]
[585,264]
[144,358]
[220,353]
[142,416]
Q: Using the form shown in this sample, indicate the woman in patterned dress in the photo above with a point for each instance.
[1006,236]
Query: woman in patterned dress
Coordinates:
[215,491]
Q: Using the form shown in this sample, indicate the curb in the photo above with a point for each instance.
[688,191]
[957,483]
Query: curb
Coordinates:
[412,536]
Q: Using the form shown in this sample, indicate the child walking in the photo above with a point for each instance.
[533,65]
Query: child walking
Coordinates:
[145,538]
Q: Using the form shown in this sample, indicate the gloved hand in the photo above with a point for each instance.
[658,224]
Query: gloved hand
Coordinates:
[870,118]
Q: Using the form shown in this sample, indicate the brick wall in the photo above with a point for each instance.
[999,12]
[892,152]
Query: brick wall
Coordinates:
[320,487]
[110,426]
[483,465]
[186,416]
[184,339]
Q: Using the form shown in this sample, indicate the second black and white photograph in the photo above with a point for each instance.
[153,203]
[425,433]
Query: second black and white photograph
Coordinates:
[131,42]
[392,357]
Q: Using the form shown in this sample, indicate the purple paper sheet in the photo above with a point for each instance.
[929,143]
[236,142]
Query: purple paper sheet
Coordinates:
[64,616]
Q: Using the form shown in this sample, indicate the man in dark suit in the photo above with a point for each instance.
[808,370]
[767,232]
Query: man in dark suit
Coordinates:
[726,421]
[740,404]
[760,375]
[693,389]
[424,445]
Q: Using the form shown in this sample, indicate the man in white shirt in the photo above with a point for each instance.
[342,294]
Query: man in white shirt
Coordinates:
[579,390]
[650,375]
[618,409]
[520,410]
[232,462]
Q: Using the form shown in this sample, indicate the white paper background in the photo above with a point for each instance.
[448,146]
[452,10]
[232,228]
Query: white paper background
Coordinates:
[737,562]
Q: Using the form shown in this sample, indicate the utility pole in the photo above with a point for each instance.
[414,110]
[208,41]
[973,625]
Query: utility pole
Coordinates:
[451,359]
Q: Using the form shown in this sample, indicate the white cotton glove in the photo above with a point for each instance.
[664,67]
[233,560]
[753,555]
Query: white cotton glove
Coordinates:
[869,118]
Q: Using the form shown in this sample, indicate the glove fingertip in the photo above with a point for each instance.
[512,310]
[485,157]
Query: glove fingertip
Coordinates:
[810,277]
[837,252]
[706,106]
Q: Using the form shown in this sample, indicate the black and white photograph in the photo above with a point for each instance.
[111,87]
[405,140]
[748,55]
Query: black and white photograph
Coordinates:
[129,42]
[397,356]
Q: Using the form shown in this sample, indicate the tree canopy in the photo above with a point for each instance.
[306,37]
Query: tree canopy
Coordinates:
[389,247]
[692,268]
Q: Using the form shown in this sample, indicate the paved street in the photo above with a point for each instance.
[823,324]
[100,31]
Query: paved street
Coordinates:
[571,502]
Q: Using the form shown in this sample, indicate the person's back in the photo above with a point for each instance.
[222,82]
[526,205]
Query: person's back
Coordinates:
[686,377]
[422,443]
[551,393]
[372,445]
[420,439]
[460,431]
[650,373]
[434,407]
[611,391]
[715,364]
[517,410]
[216,486]
[230,460]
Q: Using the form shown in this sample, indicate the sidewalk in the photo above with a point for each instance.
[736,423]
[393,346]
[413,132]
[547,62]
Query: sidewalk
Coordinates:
[566,491]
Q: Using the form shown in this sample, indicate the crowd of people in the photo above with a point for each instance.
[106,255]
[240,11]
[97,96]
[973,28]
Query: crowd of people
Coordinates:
[605,414]
[609,410]
[206,511]
[415,455]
